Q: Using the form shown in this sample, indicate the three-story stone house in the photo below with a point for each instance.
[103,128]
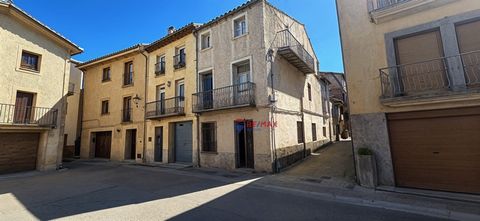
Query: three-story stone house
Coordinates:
[413,70]
[259,100]
[171,125]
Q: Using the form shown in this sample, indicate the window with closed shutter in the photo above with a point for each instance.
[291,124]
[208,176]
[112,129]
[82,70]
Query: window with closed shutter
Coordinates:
[469,45]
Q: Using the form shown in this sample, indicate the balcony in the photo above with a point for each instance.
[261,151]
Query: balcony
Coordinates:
[127,115]
[233,96]
[432,78]
[165,108]
[383,4]
[160,68]
[294,52]
[26,115]
[179,61]
[386,10]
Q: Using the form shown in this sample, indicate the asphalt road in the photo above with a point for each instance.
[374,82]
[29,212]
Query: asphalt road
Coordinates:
[104,191]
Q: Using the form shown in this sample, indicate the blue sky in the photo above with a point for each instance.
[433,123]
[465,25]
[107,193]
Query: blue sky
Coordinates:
[104,26]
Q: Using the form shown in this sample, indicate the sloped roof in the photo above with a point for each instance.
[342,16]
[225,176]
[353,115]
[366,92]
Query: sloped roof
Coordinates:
[231,12]
[10,5]
[167,39]
[111,55]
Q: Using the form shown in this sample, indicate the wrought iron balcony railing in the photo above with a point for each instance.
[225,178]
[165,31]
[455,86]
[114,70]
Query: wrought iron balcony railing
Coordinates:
[294,52]
[179,60]
[27,115]
[430,77]
[383,4]
[167,107]
[127,115]
[160,68]
[233,96]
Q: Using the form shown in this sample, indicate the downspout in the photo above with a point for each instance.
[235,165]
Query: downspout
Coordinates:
[303,127]
[61,113]
[144,150]
[197,116]
[272,110]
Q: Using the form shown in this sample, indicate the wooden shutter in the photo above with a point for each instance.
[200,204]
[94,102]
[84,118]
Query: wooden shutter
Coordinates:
[417,48]
[468,36]
[421,67]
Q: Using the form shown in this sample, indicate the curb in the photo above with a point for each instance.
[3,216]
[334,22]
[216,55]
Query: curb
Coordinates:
[420,210]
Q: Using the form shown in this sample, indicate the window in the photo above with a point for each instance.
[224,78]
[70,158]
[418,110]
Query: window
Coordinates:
[180,93]
[309,87]
[160,65]
[30,61]
[240,26]
[423,47]
[179,58]
[128,75]
[241,72]
[314,132]
[209,137]
[205,38]
[105,107]
[324,131]
[106,74]
[300,131]
[127,109]
[468,41]
[325,100]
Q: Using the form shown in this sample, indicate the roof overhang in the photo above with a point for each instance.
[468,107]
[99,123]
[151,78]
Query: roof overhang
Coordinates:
[121,53]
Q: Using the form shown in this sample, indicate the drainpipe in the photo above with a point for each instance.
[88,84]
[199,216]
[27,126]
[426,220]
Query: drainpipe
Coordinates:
[197,116]
[303,128]
[144,150]
[272,110]
[61,113]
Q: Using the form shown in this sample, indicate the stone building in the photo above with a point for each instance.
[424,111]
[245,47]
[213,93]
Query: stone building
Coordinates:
[259,99]
[35,68]
[412,71]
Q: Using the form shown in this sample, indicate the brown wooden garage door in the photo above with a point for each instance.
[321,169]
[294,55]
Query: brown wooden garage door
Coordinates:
[438,150]
[18,152]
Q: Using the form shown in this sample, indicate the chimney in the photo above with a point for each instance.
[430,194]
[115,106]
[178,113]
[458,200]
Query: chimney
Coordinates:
[170,30]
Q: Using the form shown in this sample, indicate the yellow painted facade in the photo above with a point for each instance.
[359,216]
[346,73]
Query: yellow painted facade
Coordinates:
[169,81]
[113,90]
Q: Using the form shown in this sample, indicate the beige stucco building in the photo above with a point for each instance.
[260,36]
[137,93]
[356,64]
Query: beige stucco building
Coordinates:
[412,74]
[253,112]
[113,116]
[35,66]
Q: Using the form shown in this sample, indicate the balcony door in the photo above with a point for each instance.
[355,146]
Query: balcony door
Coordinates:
[241,77]
[160,100]
[420,63]
[207,90]
[23,108]
[180,94]
[127,109]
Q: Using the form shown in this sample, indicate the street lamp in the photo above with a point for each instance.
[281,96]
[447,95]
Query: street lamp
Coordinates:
[136,99]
